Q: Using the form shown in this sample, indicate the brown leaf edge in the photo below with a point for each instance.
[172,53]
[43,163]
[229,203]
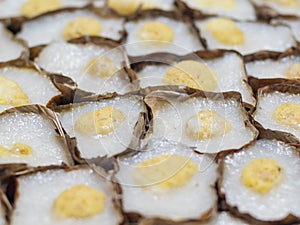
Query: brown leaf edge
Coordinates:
[52,119]
[289,219]
[109,177]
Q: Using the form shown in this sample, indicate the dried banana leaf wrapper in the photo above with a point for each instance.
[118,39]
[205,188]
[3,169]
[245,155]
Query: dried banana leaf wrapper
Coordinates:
[140,63]
[62,83]
[266,135]
[137,215]
[155,95]
[53,121]
[5,207]
[104,175]
[257,83]
[240,10]
[171,15]
[122,80]
[290,87]
[266,13]
[90,9]
[9,169]
[138,131]
[248,29]
[158,221]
